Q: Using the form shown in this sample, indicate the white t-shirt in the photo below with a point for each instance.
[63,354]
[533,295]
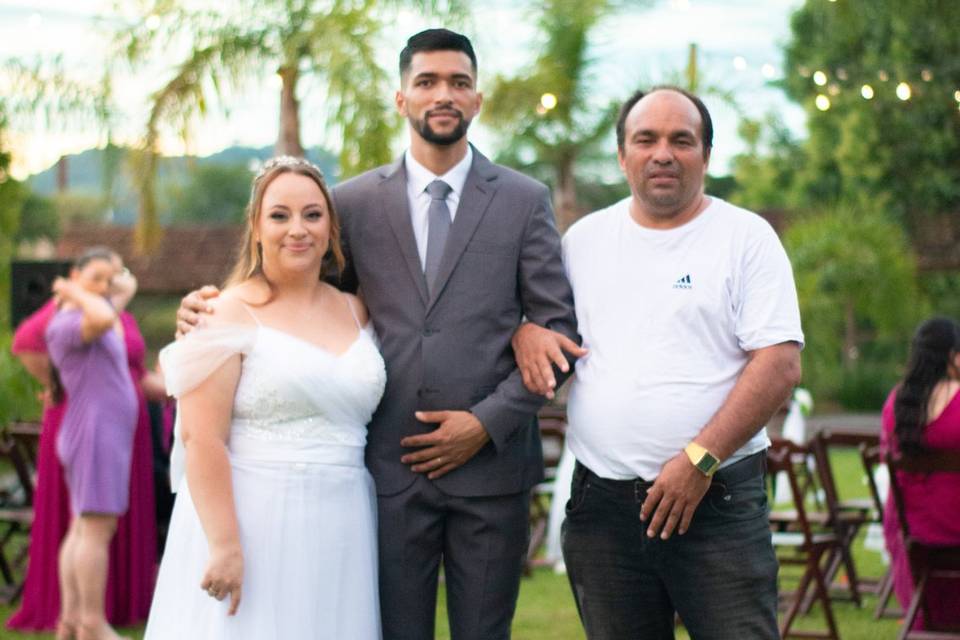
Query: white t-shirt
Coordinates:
[669,317]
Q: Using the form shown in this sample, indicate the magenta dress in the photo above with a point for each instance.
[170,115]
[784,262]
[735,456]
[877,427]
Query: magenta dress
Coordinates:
[931,504]
[133,556]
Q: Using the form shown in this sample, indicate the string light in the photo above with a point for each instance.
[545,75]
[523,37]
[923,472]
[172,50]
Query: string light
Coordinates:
[739,63]
[822,102]
[903,91]
[548,100]
[926,75]
[883,75]
[956,95]
[819,78]
[768,70]
[867,92]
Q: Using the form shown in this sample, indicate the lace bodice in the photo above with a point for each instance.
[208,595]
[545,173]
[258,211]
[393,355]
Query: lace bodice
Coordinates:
[291,389]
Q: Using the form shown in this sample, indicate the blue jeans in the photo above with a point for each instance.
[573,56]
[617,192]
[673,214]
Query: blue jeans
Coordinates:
[720,576]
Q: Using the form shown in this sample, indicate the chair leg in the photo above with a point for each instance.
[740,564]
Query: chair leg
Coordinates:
[884,592]
[914,607]
[821,587]
[797,602]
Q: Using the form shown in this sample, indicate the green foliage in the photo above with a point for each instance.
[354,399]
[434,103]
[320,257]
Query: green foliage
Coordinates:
[18,389]
[766,174]
[12,195]
[81,206]
[38,218]
[554,143]
[903,156]
[859,299]
[213,194]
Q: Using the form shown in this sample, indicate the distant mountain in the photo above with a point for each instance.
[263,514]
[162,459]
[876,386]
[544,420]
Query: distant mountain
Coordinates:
[85,175]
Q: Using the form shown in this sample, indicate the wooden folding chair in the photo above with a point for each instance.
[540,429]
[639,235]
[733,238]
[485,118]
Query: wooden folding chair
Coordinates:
[16,517]
[846,517]
[926,561]
[872,458]
[797,543]
[553,427]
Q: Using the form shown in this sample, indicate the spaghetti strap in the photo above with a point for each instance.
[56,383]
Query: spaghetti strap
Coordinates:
[250,311]
[352,312]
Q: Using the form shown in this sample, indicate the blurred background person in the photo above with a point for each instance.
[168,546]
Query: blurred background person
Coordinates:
[133,549]
[923,413]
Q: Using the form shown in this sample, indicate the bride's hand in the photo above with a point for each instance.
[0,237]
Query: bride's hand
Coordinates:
[224,575]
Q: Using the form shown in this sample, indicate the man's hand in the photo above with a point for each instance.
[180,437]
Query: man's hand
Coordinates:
[192,308]
[536,349]
[674,497]
[457,439]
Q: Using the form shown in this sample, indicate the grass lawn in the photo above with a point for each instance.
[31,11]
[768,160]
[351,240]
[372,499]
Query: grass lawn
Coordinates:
[546,610]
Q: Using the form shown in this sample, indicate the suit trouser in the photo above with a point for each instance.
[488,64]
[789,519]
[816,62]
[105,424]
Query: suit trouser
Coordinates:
[482,542]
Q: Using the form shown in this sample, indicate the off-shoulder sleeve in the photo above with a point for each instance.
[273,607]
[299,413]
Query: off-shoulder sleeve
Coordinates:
[188,362]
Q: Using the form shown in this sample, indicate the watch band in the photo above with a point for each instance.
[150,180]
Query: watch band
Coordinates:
[702,459]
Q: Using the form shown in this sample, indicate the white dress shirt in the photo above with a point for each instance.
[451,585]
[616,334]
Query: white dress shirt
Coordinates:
[418,177]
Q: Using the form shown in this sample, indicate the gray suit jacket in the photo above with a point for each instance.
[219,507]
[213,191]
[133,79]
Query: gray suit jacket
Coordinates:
[452,350]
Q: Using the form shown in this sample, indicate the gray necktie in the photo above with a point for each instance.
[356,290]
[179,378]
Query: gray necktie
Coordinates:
[438,216]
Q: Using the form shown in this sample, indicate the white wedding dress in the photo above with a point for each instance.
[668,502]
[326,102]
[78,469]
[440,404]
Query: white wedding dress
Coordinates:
[305,503]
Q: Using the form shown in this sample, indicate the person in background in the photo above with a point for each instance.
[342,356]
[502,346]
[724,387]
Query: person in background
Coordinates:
[923,413]
[133,550]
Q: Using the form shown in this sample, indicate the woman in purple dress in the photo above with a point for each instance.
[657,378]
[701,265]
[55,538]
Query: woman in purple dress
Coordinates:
[95,443]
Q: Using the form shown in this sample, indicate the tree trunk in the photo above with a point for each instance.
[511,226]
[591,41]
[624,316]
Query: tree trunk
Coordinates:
[288,140]
[565,195]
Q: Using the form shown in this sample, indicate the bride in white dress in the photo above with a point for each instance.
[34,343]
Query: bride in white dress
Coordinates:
[273,533]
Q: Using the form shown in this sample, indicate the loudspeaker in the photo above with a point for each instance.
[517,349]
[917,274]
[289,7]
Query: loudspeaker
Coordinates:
[31,284]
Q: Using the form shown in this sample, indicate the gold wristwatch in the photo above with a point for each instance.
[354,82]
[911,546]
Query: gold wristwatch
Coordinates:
[702,459]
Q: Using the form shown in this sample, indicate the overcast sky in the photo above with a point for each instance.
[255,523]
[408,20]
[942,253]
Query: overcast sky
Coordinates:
[634,50]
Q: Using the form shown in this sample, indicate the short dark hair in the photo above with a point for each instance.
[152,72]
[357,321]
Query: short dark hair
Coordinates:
[436,40]
[706,123]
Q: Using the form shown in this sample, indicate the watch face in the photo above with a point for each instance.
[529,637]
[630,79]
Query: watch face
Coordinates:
[707,463]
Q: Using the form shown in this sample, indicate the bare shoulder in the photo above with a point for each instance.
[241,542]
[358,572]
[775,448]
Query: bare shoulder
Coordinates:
[356,304]
[232,306]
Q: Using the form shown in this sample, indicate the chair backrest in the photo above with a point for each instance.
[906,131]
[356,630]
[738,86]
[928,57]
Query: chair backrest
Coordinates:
[934,460]
[782,456]
[827,440]
[872,458]
[12,451]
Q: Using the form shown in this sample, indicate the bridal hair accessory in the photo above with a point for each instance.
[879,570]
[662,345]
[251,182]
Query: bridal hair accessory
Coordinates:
[287,161]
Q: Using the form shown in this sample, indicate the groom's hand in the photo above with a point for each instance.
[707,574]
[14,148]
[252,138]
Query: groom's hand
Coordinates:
[457,439]
[192,307]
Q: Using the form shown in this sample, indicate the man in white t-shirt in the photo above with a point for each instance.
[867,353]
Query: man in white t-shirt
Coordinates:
[688,308]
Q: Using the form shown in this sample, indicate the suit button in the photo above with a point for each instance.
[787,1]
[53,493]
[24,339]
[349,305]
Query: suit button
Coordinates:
[427,332]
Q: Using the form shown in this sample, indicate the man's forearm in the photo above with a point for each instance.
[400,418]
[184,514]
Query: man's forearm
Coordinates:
[764,384]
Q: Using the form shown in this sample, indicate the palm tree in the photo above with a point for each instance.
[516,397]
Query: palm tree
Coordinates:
[331,41]
[544,112]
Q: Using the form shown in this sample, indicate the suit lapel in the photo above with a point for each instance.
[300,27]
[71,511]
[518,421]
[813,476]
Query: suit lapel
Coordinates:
[396,206]
[478,190]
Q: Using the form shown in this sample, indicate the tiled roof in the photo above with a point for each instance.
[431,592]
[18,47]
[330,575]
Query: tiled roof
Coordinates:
[187,257]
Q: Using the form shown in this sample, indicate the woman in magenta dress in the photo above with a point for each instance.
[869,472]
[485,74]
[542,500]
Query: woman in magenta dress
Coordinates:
[923,413]
[133,549]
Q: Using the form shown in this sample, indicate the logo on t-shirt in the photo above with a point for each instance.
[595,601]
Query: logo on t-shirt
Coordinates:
[683,283]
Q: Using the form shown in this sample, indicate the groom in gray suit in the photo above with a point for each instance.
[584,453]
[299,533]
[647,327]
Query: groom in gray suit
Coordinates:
[450,252]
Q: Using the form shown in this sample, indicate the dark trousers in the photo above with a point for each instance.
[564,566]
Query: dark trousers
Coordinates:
[482,542]
[720,576]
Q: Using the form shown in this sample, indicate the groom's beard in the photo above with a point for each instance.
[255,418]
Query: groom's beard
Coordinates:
[422,126]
